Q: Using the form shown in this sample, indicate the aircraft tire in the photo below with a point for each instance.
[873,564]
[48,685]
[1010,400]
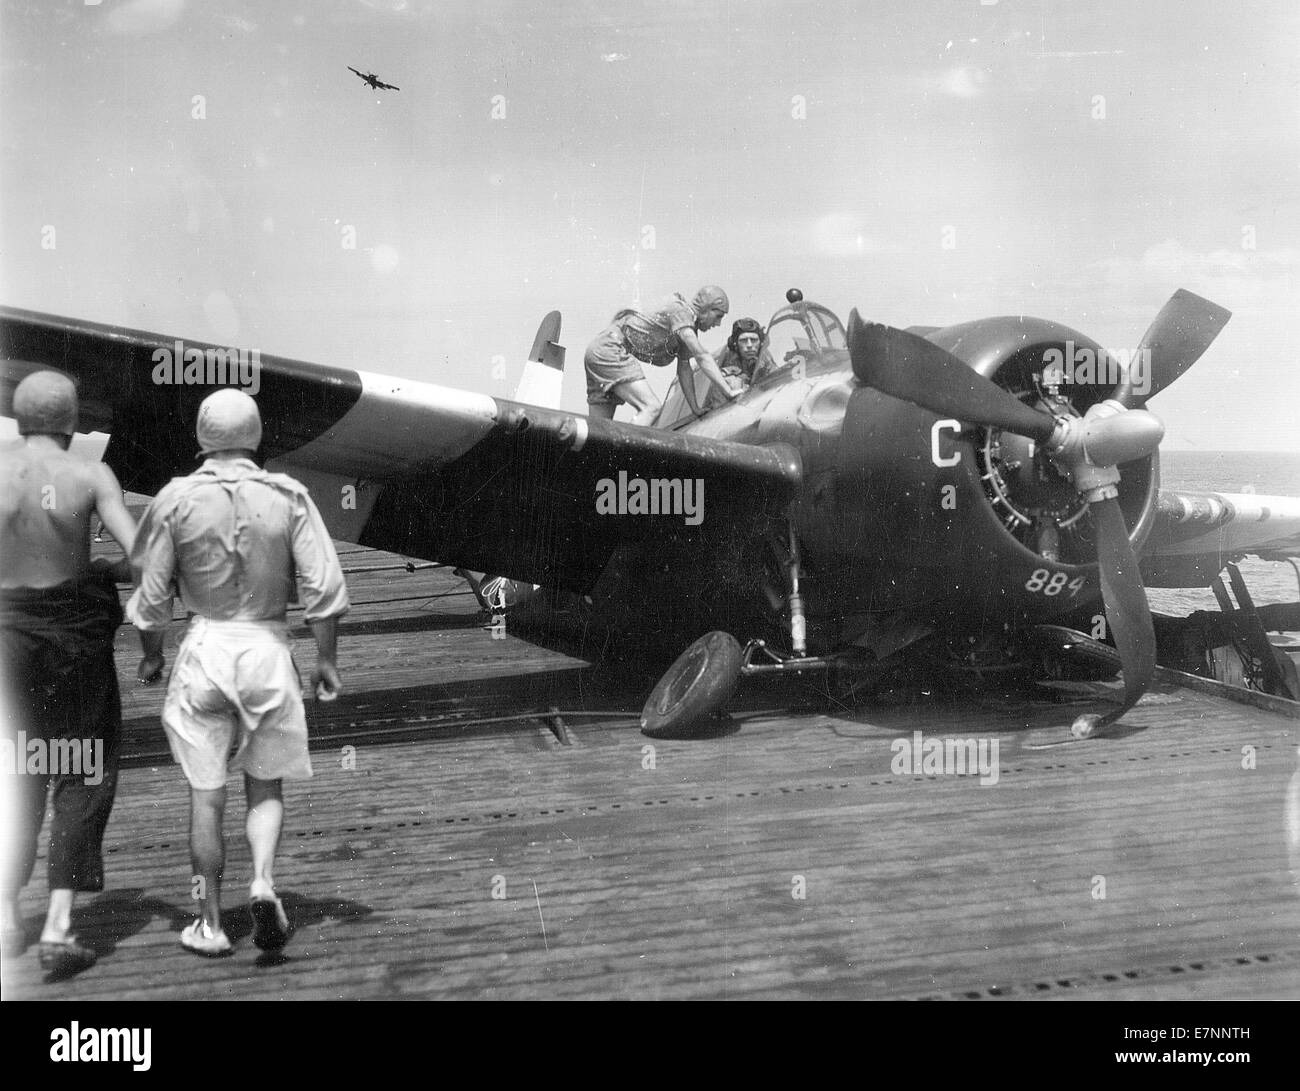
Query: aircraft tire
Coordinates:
[697,685]
[1072,656]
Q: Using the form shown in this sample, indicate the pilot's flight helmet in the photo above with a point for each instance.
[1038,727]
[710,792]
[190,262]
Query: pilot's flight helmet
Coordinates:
[743,325]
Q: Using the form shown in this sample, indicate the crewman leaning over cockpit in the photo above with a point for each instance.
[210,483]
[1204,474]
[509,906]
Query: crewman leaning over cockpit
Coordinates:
[667,332]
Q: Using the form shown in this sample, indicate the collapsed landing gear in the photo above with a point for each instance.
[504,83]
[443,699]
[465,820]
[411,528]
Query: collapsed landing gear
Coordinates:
[702,680]
[695,687]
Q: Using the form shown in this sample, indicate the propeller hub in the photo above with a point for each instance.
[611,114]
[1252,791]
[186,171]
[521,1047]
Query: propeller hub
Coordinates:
[1124,438]
[1092,447]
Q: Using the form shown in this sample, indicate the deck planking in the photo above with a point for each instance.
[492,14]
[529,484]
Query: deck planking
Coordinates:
[620,877]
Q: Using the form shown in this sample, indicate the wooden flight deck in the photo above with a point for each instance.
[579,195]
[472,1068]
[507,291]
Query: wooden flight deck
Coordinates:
[457,842]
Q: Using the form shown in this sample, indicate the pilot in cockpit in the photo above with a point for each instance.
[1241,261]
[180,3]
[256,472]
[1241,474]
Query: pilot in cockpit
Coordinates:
[742,360]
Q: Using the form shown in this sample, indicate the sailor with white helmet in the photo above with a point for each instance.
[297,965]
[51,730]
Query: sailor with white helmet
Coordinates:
[230,538]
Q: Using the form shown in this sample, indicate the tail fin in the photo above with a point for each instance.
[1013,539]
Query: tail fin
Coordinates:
[544,371]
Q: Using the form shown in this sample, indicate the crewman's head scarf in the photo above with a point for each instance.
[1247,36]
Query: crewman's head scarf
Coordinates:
[228,421]
[45,403]
[710,296]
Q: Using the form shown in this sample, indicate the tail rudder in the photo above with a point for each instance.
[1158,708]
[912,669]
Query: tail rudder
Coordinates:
[543,374]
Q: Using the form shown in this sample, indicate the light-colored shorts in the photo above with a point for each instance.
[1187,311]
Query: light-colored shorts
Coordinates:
[609,363]
[235,683]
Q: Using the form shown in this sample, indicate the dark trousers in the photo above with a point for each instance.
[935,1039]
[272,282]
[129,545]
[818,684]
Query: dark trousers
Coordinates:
[65,725]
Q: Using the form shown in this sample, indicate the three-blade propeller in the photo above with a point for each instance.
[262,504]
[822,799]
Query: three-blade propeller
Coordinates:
[1088,449]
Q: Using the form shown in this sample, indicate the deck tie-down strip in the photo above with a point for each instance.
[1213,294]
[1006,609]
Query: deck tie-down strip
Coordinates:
[535,814]
[1039,986]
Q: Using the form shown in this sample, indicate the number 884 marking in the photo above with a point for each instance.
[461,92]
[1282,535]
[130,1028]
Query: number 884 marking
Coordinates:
[1045,582]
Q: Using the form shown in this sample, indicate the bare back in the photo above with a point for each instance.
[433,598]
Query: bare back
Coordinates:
[47,497]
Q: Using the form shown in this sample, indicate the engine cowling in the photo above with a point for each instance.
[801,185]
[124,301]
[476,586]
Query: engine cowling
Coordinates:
[967,522]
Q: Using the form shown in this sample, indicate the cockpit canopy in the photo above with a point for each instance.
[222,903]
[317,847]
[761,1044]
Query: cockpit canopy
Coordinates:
[801,332]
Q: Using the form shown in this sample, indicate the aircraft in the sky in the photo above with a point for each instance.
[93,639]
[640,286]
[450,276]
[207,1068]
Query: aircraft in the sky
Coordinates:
[374,81]
[972,496]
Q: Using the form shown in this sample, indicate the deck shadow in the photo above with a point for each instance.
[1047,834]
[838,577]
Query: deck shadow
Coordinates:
[303,913]
[416,623]
[117,915]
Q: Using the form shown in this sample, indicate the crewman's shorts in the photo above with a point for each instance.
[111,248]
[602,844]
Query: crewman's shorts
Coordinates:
[235,684]
[609,363]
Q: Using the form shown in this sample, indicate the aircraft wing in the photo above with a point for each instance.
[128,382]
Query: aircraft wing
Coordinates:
[1196,534]
[407,466]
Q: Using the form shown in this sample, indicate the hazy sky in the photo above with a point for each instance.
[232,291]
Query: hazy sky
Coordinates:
[1087,158]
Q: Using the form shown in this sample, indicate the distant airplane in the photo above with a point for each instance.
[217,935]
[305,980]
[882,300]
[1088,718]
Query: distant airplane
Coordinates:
[374,80]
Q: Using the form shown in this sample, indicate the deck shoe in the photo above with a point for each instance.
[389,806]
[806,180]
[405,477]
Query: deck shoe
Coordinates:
[65,957]
[270,923]
[199,939]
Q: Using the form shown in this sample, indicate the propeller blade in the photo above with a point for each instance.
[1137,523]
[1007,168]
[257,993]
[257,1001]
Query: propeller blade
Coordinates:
[1185,327]
[1127,612]
[915,370]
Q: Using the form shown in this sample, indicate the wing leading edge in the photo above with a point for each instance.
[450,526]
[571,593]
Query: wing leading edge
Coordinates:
[411,467]
[1196,534]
